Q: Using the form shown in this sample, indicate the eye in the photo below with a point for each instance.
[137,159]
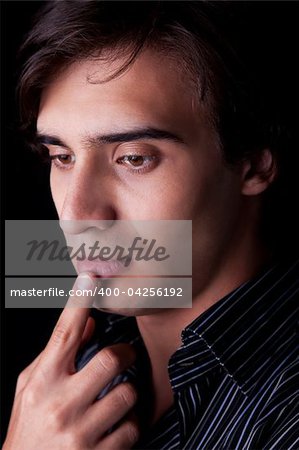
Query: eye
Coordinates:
[135,160]
[63,161]
[138,163]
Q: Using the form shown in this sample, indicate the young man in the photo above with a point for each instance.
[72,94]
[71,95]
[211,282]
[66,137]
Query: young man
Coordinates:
[148,113]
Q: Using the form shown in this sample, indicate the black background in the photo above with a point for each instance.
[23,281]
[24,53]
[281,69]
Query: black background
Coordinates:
[25,195]
[25,182]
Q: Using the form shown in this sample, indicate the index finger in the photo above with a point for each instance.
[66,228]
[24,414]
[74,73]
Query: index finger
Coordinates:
[65,340]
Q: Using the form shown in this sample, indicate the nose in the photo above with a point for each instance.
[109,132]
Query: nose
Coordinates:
[88,201]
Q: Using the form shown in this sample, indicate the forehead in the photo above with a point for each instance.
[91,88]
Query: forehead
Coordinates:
[152,92]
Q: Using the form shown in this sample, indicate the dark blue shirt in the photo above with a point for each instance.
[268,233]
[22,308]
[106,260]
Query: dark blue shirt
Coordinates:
[235,378]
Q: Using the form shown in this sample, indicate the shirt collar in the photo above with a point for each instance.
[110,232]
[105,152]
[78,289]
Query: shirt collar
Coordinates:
[244,329]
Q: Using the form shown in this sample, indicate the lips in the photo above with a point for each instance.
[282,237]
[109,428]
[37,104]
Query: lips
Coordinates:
[101,268]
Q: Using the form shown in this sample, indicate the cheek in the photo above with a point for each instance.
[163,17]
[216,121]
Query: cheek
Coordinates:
[217,205]
[192,191]
[216,215]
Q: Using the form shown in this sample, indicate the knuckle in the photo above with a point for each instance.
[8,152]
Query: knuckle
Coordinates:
[56,417]
[38,378]
[61,335]
[109,360]
[128,394]
[30,396]
[31,386]
[72,440]
[132,432]
[22,380]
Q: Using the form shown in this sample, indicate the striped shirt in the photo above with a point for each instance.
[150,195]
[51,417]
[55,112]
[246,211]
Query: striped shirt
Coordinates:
[235,378]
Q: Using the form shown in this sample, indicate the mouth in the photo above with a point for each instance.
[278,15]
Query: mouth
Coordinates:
[103,269]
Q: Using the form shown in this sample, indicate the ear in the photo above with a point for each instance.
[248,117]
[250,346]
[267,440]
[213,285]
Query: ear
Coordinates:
[258,173]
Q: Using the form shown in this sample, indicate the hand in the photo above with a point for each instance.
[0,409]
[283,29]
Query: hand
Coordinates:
[55,407]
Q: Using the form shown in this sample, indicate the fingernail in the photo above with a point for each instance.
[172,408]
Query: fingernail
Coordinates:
[85,281]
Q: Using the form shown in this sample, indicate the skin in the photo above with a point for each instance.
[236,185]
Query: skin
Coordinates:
[183,179]
[49,411]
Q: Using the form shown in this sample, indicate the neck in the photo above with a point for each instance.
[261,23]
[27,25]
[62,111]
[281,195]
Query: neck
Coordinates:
[161,331]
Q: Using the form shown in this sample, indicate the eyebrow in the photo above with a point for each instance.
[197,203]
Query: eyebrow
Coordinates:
[127,136]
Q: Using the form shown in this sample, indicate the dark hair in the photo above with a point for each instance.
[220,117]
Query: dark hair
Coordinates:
[224,47]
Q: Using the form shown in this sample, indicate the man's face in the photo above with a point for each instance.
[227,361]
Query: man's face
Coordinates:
[111,163]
